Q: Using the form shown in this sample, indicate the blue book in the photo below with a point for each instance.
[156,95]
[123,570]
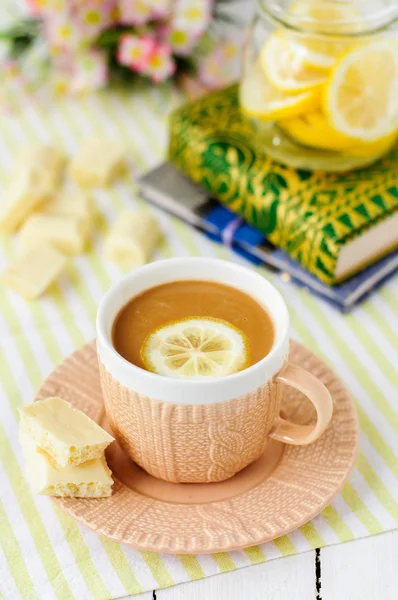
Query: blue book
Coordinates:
[170,190]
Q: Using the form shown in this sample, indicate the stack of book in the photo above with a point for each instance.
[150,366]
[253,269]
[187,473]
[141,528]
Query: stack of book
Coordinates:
[336,234]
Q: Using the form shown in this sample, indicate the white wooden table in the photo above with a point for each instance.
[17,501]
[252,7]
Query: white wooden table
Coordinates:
[365,569]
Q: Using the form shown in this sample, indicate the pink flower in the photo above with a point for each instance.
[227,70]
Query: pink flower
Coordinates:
[61,32]
[160,64]
[134,51]
[192,16]
[92,16]
[181,41]
[134,12]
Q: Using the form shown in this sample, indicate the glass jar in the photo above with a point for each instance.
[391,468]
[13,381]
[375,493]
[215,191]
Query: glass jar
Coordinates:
[320,81]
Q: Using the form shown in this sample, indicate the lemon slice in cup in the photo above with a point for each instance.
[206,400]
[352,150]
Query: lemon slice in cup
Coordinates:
[197,347]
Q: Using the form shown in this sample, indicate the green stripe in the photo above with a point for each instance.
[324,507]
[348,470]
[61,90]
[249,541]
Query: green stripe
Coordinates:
[334,521]
[224,561]
[285,545]
[14,558]
[192,566]
[312,535]
[351,498]
[33,520]
[120,563]
[377,487]
[82,556]
[373,350]
[390,298]
[374,313]
[356,366]
[255,555]
[157,568]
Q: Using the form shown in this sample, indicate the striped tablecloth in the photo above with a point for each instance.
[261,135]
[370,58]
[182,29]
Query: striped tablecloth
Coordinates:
[43,553]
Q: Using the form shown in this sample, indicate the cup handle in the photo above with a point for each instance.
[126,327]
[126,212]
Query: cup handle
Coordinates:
[299,435]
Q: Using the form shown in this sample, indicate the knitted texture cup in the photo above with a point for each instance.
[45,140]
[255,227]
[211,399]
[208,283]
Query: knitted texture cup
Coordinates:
[188,443]
[187,430]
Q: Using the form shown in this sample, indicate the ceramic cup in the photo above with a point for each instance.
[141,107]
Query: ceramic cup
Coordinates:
[185,430]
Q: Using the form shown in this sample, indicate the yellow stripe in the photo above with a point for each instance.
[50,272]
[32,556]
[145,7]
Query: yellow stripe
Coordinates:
[119,562]
[390,298]
[157,568]
[192,566]
[33,520]
[285,545]
[255,555]
[351,498]
[373,312]
[373,350]
[377,487]
[360,371]
[312,535]
[14,558]
[82,556]
[224,561]
[334,521]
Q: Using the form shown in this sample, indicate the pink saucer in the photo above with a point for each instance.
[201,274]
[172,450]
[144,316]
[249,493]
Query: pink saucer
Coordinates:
[285,488]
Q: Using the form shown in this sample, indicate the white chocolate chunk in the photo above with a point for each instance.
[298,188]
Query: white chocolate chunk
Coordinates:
[32,273]
[64,233]
[91,479]
[68,435]
[34,179]
[79,205]
[132,239]
[24,195]
[98,163]
[47,161]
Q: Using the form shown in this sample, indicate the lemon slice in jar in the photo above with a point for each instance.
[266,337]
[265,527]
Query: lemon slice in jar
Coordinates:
[197,347]
[285,68]
[312,129]
[361,97]
[258,98]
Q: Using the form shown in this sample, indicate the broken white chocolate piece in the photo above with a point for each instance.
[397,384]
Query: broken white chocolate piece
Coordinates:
[23,196]
[64,233]
[132,239]
[33,180]
[92,479]
[98,162]
[47,161]
[32,273]
[77,205]
[68,435]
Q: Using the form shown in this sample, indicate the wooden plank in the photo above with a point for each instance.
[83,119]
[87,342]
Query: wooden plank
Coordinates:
[365,569]
[292,577]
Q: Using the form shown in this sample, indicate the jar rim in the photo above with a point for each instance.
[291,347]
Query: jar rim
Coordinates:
[370,23]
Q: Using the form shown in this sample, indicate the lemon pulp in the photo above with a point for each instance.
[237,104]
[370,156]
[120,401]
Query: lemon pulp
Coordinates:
[196,347]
